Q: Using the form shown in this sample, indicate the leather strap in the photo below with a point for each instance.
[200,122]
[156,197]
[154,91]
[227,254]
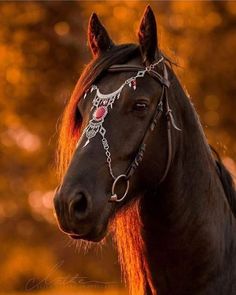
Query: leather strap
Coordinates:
[133,68]
[163,101]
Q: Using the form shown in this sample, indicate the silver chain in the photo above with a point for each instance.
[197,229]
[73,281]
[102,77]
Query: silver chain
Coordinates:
[152,66]
[108,155]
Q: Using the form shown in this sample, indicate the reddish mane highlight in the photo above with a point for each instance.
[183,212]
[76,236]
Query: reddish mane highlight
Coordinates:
[127,228]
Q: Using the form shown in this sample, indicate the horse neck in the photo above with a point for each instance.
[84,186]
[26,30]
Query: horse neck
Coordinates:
[184,223]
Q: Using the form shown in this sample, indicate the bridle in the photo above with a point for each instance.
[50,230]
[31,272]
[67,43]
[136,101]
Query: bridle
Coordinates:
[102,103]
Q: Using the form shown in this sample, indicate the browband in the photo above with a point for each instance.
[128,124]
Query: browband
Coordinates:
[133,68]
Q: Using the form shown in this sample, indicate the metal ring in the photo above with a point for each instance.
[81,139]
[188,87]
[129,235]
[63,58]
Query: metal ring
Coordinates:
[114,197]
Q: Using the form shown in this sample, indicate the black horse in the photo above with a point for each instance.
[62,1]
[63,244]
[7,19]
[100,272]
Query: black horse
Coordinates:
[137,161]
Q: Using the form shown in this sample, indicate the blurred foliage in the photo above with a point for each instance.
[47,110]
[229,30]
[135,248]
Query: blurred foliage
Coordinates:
[42,52]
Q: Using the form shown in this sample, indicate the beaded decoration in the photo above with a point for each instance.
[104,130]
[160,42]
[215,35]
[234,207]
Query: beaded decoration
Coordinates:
[101,104]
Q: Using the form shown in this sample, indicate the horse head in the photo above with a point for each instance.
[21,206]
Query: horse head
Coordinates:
[121,121]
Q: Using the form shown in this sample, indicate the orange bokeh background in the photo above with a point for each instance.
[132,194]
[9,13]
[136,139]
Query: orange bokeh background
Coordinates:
[43,50]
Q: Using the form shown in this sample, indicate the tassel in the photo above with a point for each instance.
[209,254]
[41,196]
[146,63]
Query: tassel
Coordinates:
[134,84]
[86,143]
[85,94]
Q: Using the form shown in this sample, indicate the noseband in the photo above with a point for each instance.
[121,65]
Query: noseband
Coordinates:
[102,103]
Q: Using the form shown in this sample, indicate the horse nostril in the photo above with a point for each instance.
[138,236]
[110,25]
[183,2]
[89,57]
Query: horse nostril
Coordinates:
[79,206]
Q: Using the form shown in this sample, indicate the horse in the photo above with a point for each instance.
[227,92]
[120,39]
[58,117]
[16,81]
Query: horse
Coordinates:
[135,161]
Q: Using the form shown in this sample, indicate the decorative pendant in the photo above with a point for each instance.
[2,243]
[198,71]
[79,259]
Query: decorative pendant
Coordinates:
[132,83]
[86,143]
[85,94]
[93,87]
[100,113]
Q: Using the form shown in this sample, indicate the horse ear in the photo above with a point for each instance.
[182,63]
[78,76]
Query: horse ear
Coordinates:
[147,35]
[98,38]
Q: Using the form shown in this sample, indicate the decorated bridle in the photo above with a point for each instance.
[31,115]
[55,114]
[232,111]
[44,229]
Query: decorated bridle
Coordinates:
[101,104]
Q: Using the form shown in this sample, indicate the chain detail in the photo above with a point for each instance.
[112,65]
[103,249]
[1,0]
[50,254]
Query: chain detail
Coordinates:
[108,156]
[152,66]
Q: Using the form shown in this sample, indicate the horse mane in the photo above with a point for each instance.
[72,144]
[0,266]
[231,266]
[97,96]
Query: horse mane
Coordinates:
[127,227]
[226,180]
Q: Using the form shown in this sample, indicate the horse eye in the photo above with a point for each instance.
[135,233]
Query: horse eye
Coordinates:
[140,106]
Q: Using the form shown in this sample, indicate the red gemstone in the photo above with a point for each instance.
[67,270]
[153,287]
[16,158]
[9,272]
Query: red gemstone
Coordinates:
[99,113]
